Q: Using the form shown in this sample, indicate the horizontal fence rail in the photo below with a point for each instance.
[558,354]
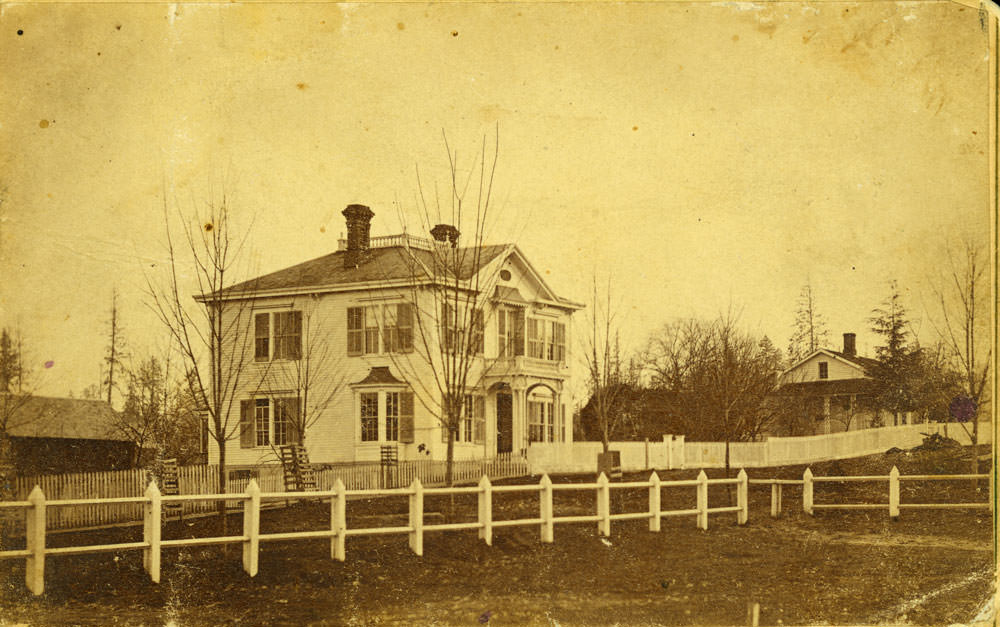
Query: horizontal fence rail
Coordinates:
[893,505]
[37,508]
[102,488]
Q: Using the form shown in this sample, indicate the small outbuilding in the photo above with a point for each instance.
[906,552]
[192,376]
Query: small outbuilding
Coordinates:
[52,435]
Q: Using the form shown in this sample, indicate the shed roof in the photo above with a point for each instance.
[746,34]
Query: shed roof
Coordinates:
[73,418]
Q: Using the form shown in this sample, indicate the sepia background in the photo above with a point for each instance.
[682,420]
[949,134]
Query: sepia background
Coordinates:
[703,156]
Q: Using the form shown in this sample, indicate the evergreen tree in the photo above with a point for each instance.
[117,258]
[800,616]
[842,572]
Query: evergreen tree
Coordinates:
[809,329]
[895,377]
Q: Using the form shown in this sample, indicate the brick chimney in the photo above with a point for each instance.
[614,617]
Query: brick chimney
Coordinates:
[359,218]
[849,347]
[445,233]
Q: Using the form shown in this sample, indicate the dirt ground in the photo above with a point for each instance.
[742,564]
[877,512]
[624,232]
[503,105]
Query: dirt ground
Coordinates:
[931,567]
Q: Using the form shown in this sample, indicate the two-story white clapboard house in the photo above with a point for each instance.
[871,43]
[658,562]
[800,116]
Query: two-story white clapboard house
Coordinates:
[342,347]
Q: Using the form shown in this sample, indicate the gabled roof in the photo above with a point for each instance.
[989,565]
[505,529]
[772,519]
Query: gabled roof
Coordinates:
[863,363]
[74,418]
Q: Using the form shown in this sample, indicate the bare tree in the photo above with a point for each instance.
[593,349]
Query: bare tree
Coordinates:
[215,341]
[809,330]
[610,377]
[963,300]
[145,418]
[450,286]
[302,388]
[17,387]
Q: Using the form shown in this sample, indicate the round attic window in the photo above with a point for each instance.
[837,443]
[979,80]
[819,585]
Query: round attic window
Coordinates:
[505,275]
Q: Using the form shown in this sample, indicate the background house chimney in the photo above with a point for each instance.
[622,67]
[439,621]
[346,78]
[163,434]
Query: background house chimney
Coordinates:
[849,347]
[445,233]
[359,218]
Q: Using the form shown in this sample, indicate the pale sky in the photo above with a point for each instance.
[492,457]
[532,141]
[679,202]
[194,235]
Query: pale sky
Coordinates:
[700,154]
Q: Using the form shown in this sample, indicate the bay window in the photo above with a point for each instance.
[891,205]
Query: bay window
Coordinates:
[386,416]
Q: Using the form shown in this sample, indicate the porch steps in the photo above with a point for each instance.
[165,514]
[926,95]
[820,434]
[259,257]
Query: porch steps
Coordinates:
[299,473]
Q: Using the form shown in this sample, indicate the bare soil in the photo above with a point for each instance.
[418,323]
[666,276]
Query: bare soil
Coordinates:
[931,567]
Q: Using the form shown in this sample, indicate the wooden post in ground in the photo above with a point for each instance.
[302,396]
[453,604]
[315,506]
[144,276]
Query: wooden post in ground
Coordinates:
[655,494]
[753,614]
[894,493]
[775,500]
[807,491]
[702,518]
[34,532]
[743,497]
[251,528]
[545,509]
[486,510]
[338,521]
[151,527]
[603,505]
[417,517]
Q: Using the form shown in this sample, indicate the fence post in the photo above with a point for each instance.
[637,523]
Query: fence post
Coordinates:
[417,517]
[654,501]
[251,528]
[807,491]
[894,493]
[545,505]
[603,505]
[34,532]
[702,519]
[743,497]
[151,527]
[775,500]
[486,510]
[338,521]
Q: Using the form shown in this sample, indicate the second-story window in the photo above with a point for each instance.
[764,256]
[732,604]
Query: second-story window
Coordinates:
[546,340]
[281,330]
[288,335]
[824,371]
[378,328]
[510,332]
[262,336]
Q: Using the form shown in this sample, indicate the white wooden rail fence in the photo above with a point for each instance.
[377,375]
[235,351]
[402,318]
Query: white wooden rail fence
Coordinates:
[37,508]
[893,504]
[99,487]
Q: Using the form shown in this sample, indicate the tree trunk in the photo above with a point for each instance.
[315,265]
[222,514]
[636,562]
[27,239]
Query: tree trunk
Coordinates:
[450,458]
[221,507]
[7,473]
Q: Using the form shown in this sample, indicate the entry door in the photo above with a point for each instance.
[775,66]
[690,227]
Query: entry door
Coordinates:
[505,423]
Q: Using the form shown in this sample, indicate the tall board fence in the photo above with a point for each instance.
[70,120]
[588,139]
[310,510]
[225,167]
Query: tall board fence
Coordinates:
[203,480]
[673,452]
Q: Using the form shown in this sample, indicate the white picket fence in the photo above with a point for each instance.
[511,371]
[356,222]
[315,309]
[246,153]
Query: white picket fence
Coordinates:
[674,452]
[38,507]
[203,479]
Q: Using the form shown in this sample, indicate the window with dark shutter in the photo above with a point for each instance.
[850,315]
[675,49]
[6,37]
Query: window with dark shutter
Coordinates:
[823,370]
[406,428]
[404,327]
[518,332]
[246,424]
[262,337]
[478,331]
[294,419]
[355,330]
[479,413]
